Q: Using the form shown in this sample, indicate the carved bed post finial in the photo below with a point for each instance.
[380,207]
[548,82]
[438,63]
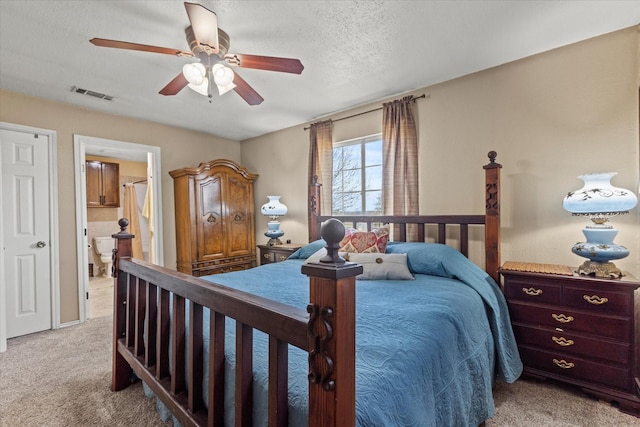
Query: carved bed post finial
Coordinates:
[492,156]
[332,232]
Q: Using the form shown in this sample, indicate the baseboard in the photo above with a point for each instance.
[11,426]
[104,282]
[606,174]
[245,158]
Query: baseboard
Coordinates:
[67,324]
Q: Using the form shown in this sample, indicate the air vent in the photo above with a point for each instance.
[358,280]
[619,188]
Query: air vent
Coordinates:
[92,93]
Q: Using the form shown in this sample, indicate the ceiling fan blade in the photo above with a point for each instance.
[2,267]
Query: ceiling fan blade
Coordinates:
[271,63]
[175,85]
[141,47]
[247,93]
[204,24]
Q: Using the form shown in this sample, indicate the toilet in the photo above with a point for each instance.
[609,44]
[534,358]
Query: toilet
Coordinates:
[104,249]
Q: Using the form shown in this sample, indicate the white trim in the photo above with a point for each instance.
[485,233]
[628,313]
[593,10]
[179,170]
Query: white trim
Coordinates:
[125,150]
[53,230]
[67,324]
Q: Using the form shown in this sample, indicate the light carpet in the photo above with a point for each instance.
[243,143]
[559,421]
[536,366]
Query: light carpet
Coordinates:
[62,378]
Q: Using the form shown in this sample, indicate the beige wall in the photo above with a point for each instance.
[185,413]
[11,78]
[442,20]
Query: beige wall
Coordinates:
[550,117]
[179,148]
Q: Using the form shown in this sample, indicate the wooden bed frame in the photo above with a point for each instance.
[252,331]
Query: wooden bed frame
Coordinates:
[325,329]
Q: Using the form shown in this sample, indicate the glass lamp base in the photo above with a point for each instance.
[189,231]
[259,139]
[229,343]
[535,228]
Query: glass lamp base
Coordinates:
[606,270]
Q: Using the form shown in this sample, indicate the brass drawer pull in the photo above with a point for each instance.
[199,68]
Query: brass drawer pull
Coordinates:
[562,318]
[532,291]
[564,364]
[562,341]
[595,299]
[266,256]
[283,257]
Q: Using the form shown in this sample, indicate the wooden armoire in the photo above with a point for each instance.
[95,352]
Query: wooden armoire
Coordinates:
[215,228]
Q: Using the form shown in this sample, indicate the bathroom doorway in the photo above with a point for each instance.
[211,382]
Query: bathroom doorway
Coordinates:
[96,287]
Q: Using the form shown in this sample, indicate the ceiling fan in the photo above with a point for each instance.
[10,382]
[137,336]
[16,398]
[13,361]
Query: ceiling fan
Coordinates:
[210,45]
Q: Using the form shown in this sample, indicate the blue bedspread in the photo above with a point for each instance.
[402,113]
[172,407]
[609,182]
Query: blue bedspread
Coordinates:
[425,348]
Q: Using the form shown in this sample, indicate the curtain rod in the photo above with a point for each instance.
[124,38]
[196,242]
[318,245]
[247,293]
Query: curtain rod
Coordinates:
[134,182]
[370,111]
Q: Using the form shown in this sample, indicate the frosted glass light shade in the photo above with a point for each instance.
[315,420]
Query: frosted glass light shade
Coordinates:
[194,73]
[273,208]
[223,76]
[598,197]
[224,89]
[202,88]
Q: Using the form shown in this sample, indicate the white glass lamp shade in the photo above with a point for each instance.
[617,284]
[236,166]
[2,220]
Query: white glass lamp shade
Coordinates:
[223,76]
[224,89]
[599,200]
[202,88]
[274,209]
[195,73]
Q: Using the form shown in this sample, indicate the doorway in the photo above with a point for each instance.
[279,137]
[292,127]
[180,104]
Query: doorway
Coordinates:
[29,282]
[85,145]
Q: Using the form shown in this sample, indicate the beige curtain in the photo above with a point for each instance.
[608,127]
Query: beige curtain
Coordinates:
[400,168]
[130,211]
[321,161]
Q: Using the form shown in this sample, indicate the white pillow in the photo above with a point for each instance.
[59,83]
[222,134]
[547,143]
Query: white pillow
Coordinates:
[315,257]
[378,266]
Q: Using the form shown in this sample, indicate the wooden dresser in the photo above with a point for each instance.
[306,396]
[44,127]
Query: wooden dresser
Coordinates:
[579,330]
[215,230]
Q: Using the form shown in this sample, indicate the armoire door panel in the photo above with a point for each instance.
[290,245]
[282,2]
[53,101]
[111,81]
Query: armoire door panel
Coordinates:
[210,207]
[240,218]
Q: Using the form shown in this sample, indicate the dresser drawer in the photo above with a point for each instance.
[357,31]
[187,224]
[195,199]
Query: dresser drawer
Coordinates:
[599,300]
[267,257]
[561,364]
[613,327]
[522,289]
[573,344]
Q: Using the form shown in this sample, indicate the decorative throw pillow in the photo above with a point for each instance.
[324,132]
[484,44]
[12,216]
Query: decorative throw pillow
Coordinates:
[315,257]
[378,266]
[365,241]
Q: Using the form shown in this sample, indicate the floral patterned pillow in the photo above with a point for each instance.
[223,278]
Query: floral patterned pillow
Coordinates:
[365,241]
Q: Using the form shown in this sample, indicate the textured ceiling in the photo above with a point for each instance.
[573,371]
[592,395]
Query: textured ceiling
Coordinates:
[354,52]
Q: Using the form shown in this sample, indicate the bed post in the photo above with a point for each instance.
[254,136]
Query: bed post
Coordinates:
[314,208]
[331,335]
[492,216]
[120,369]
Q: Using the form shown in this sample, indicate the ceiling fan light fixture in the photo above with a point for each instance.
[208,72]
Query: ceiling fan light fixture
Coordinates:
[223,76]
[202,88]
[195,73]
[224,89]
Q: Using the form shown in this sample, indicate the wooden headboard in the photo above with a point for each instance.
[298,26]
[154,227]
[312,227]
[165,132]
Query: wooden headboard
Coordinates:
[490,219]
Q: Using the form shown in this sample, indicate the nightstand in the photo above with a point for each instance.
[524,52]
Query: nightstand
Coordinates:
[577,329]
[277,253]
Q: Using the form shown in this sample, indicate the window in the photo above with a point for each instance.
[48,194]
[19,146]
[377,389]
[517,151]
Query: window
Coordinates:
[357,176]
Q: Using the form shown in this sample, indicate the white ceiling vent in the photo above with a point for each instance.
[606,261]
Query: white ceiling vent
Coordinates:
[92,93]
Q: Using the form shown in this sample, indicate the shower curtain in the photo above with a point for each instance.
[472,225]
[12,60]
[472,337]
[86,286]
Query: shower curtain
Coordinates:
[130,211]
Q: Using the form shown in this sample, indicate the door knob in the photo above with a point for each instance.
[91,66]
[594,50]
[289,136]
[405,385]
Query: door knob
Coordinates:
[41,244]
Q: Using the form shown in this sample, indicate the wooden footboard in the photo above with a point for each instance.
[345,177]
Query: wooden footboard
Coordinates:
[143,320]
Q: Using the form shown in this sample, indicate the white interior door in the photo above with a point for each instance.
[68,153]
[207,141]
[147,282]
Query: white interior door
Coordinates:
[26,232]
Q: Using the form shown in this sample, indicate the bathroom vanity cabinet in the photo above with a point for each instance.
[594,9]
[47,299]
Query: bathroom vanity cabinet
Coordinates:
[103,180]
